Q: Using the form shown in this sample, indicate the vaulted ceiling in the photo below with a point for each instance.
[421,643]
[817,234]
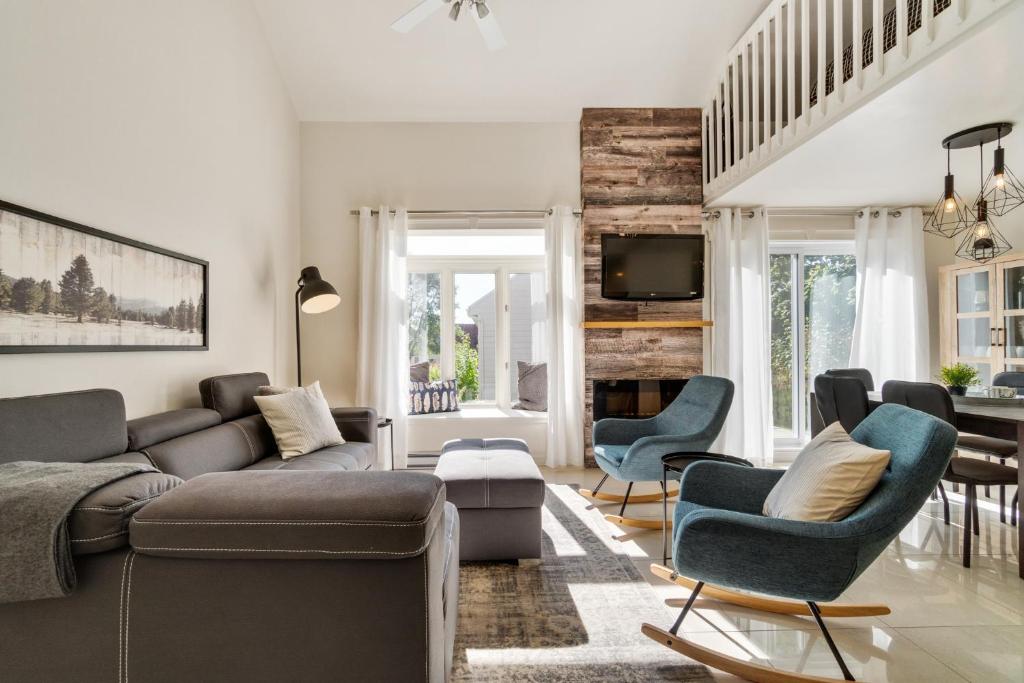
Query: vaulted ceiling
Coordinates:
[341,61]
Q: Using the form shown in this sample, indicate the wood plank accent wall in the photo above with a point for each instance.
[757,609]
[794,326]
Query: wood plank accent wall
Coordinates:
[641,173]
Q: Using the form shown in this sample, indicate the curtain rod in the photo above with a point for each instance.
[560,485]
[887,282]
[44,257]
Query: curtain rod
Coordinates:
[810,213]
[463,213]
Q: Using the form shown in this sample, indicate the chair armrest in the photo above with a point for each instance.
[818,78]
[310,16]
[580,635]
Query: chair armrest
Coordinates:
[728,487]
[621,432]
[356,424]
[791,559]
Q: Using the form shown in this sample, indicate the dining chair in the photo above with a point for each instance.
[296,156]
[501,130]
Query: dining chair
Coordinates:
[971,472]
[1015,380]
[842,399]
[863,374]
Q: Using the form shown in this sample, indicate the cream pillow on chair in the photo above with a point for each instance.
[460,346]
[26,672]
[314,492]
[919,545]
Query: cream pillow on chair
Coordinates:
[829,479]
[301,420]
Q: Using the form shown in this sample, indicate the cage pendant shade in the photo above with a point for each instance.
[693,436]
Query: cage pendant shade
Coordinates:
[950,217]
[1003,191]
[982,241]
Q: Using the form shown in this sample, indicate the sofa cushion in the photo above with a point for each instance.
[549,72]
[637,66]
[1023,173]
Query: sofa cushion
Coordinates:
[146,431]
[77,426]
[232,395]
[347,457]
[99,521]
[301,420]
[226,447]
[293,515]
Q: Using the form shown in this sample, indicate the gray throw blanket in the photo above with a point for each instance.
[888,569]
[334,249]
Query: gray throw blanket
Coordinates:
[35,501]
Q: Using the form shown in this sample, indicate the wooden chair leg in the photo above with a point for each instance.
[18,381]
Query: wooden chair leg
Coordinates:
[988,494]
[976,517]
[968,526]
[945,504]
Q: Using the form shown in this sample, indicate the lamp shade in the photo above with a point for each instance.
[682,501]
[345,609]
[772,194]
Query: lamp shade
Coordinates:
[316,294]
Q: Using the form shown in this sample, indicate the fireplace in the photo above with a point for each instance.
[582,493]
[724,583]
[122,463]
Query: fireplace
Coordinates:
[634,398]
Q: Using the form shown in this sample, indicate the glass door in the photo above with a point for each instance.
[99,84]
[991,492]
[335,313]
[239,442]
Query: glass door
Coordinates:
[1010,335]
[976,331]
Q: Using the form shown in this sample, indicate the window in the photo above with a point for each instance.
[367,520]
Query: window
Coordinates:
[476,306]
[813,307]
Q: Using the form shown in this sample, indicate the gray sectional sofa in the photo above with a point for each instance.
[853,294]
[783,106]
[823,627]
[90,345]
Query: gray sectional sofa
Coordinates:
[230,563]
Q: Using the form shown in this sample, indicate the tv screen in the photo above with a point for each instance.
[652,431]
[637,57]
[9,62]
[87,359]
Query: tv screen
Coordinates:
[652,267]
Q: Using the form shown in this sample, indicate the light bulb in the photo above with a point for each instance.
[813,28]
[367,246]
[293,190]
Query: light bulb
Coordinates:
[982,231]
[950,205]
[1000,179]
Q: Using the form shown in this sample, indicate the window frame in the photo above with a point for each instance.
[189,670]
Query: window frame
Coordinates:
[799,389]
[501,267]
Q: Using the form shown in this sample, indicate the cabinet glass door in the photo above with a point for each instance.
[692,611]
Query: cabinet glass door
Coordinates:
[1011,337]
[975,326]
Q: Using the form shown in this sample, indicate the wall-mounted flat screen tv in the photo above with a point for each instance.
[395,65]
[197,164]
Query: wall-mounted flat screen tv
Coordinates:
[652,267]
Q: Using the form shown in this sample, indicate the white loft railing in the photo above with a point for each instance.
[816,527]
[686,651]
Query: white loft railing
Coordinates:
[769,97]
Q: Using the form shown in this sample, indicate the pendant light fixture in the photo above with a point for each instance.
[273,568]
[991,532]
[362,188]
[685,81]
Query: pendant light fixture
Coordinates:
[1002,190]
[983,242]
[950,217]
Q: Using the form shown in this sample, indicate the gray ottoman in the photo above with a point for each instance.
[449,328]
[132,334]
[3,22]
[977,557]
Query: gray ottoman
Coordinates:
[499,493]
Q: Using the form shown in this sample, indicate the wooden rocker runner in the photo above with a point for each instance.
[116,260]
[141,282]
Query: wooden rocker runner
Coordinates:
[724,544]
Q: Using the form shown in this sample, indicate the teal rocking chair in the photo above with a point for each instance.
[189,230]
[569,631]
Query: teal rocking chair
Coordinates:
[631,450]
[722,542]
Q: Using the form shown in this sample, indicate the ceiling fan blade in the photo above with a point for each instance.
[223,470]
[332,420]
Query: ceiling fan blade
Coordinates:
[416,15]
[491,31]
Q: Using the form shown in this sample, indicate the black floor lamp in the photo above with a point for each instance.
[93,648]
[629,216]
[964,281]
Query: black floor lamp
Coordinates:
[314,295]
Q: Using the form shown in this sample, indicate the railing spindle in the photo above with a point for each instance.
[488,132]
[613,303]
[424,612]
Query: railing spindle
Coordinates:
[858,44]
[777,114]
[902,44]
[838,72]
[821,55]
[755,100]
[791,64]
[736,109]
[877,33]
[805,60]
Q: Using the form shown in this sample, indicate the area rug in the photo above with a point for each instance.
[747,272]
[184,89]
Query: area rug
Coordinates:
[575,616]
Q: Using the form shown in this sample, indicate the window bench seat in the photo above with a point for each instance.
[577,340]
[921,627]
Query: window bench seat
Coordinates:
[427,433]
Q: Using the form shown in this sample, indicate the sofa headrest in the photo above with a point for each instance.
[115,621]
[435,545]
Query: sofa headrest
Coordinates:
[76,426]
[143,432]
[232,395]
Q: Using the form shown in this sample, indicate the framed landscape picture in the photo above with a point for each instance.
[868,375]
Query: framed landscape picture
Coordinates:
[68,287]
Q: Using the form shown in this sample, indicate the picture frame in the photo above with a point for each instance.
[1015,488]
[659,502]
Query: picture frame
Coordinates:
[66,287]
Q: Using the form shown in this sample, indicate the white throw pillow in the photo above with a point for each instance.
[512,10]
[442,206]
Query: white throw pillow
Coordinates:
[828,480]
[301,421]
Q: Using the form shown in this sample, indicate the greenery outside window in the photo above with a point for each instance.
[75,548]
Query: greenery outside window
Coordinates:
[813,300]
[464,310]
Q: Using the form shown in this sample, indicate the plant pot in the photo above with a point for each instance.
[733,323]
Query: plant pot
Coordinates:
[957,391]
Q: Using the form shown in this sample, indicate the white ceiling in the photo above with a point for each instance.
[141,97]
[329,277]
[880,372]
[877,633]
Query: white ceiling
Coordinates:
[889,151]
[341,62]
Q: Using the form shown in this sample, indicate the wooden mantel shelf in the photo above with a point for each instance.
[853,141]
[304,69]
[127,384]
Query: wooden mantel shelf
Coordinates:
[621,324]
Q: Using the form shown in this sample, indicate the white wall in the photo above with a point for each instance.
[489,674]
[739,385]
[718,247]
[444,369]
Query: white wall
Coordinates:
[166,122]
[419,166]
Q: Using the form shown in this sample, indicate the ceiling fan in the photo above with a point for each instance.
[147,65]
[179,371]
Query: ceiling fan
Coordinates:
[485,20]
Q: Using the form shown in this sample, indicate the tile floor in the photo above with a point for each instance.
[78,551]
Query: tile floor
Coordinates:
[947,623]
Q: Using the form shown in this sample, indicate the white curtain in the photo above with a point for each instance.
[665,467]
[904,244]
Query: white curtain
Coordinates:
[741,343]
[382,370]
[890,334]
[564,253]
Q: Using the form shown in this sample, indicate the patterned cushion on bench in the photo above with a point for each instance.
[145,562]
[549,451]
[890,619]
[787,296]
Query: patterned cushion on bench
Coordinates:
[433,397]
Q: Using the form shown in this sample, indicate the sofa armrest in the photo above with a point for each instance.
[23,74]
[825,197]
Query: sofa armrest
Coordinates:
[356,424]
[294,515]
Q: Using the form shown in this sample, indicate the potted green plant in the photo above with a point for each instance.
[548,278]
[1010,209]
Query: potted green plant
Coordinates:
[958,377]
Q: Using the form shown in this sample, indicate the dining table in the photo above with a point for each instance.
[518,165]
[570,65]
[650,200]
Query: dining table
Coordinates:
[1000,418]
